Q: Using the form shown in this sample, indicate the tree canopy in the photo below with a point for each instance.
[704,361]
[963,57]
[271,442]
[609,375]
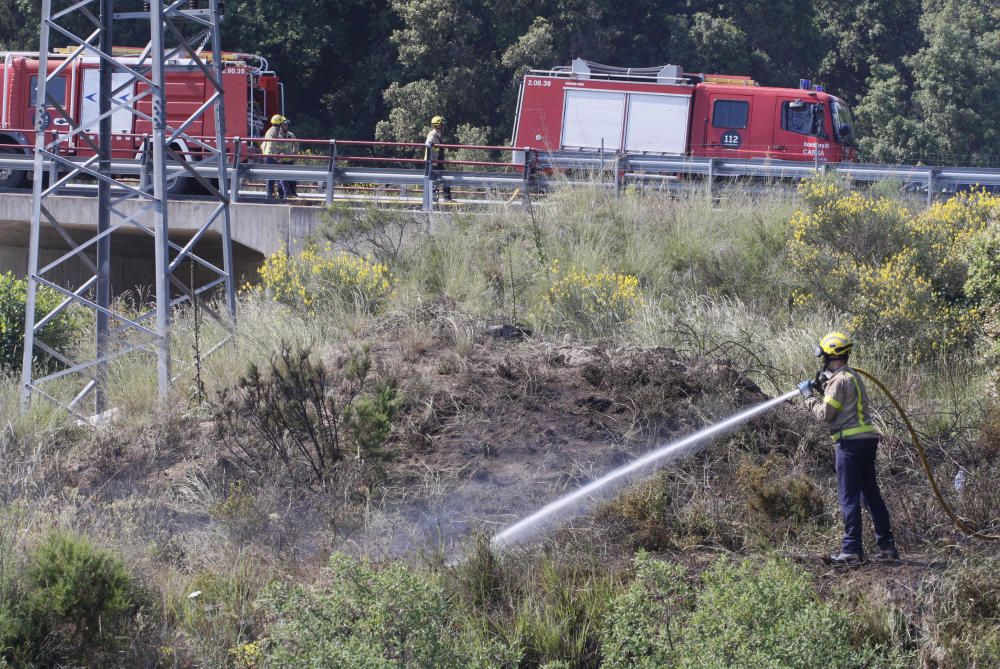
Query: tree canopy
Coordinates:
[922,75]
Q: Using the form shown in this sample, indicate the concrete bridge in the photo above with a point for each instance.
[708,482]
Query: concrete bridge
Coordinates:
[257,231]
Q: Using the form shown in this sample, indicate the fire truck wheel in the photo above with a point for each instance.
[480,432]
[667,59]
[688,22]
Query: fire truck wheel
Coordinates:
[12,178]
[178,185]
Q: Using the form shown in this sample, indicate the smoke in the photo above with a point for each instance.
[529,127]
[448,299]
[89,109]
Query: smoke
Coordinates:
[577,502]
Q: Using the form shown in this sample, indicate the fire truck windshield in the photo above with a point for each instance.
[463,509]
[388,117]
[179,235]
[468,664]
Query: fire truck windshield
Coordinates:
[843,124]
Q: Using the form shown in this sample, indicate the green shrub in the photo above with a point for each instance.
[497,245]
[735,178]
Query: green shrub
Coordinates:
[318,277]
[749,615]
[745,615]
[900,275]
[643,626]
[597,304]
[73,604]
[369,422]
[60,333]
[308,419]
[363,618]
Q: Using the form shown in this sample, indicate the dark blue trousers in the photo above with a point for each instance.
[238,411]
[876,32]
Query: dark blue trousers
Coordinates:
[282,189]
[856,483]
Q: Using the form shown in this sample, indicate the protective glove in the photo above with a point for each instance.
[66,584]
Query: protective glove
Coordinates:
[806,388]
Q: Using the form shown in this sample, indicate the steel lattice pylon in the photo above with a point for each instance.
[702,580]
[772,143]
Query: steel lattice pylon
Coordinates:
[179,32]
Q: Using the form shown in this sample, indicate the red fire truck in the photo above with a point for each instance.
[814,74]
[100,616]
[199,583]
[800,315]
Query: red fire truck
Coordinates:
[252,94]
[588,107]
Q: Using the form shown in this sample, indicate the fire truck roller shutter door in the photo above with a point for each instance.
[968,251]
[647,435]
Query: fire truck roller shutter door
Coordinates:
[593,116]
[657,123]
[121,117]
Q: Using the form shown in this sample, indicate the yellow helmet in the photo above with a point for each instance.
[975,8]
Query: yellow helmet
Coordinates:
[278,119]
[835,344]
[437,120]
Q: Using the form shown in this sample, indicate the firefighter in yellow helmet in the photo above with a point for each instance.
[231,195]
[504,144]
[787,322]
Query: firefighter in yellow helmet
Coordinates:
[837,397]
[278,151]
[434,138]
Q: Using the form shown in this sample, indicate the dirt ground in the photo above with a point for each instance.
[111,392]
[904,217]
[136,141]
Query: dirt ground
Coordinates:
[514,425]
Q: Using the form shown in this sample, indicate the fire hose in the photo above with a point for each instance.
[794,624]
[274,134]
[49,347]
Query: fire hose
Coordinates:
[575,502]
[959,522]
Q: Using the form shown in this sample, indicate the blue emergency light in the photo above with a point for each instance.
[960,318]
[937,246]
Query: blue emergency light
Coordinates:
[804,84]
[818,88]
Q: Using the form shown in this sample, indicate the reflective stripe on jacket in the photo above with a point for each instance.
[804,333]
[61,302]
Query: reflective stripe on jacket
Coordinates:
[844,405]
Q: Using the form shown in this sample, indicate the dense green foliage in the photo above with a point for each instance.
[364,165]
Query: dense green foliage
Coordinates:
[69,605]
[364,617]
[644,621]
[744,615]
[924,74]
[750,615]
[59,333]
[916,278]
[740,615]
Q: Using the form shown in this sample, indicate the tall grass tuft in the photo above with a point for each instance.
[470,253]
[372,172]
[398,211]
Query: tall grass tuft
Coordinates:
[538,609]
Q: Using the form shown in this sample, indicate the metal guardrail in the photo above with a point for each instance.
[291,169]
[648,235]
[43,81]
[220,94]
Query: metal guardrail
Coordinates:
[345,165]
[328,180]
[332,172]
[932,180]
[324,163]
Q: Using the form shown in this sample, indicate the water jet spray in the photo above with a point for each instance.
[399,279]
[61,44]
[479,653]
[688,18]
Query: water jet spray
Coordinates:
[571,504]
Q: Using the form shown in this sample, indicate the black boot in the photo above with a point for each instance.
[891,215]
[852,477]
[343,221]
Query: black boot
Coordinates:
[844,560]
[887,555]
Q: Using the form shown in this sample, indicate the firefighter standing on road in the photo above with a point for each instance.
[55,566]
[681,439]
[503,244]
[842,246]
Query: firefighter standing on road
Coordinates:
[434,138]
[838,397]
[274,148]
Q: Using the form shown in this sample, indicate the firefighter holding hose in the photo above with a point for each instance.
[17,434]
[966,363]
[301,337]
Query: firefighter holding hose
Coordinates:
[838,397]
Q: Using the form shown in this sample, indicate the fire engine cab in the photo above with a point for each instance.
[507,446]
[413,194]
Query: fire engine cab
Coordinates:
[252,94]
[588,107]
